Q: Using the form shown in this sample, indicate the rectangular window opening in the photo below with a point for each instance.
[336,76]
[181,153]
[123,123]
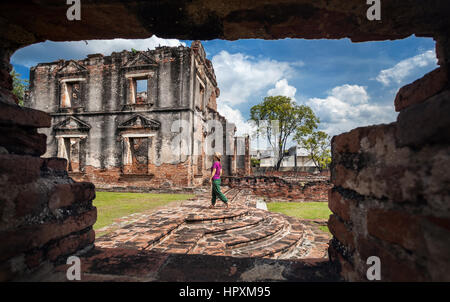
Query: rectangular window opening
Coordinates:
[71,95]
[141,91]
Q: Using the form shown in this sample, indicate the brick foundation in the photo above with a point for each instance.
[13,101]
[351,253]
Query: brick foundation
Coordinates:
[299,174]
[163,176]
[45,215]
[277,188]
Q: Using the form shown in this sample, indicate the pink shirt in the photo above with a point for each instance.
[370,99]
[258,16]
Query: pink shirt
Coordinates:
[218,167]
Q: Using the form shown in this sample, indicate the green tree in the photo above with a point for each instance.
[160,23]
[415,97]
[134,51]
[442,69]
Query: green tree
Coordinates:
[318,146]
[255,162]
[279,118]
[19,86]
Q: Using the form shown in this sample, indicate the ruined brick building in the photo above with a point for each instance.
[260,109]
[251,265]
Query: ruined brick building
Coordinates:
[137,118]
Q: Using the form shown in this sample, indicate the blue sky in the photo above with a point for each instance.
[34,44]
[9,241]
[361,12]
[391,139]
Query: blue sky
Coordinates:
[347,84]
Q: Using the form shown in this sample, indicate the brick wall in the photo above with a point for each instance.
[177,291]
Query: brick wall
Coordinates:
[277,188]
[163,176]
[297,174]
[44,215]
[391,189]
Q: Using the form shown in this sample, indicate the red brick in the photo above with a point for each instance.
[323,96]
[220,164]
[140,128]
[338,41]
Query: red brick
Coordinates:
[425,123]
[349,141]
[340,175]
[422,89]
[396,227]
[22,116]
[340,231]
[339,205]
[70,244]
[21,141]
[19,240]
[20,169]
[393,268]
[55,164]
[111,261]
[83,191]
[61,196]
[30,201]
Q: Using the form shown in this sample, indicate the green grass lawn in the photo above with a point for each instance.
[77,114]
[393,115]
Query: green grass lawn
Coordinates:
[112,205]
[302,210]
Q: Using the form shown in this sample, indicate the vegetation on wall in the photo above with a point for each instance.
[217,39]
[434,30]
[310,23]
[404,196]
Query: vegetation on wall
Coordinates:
[19,87]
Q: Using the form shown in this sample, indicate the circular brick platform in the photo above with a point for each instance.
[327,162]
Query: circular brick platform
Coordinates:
[242,230]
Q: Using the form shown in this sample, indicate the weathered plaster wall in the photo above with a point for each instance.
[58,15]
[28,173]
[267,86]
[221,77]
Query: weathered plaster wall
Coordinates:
[180,83]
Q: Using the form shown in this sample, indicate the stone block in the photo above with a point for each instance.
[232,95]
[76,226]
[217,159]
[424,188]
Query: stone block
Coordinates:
[422,89]
[24,142]
[394,268]
[30,201]
[29,237]
[23,117]
[425,123]
[397,227]
[64,195]
[341,232]
[349,142]
[339,205]
[54,164]
[20,169]
[61,196]
[70,244]
[83,191]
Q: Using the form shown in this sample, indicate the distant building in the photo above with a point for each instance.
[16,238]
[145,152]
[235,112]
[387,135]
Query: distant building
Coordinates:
[297,157]
[258,154]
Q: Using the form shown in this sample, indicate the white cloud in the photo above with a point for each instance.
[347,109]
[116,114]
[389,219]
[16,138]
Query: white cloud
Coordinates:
[234,116]
[51,51]
[352,94]
[243,127]
[298,63]
[240,76]
[347,107]
[282,87]
[406,68]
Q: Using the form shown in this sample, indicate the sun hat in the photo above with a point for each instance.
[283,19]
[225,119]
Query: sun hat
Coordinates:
[217,154]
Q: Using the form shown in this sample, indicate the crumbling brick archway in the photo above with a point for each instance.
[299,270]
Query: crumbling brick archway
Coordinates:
[390,195]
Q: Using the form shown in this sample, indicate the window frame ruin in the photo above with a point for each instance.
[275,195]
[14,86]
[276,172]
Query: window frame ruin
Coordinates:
[127,156]
[131,94]
[67,97]
[138,126]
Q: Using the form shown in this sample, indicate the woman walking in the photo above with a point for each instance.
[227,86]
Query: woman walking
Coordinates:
[216,173]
